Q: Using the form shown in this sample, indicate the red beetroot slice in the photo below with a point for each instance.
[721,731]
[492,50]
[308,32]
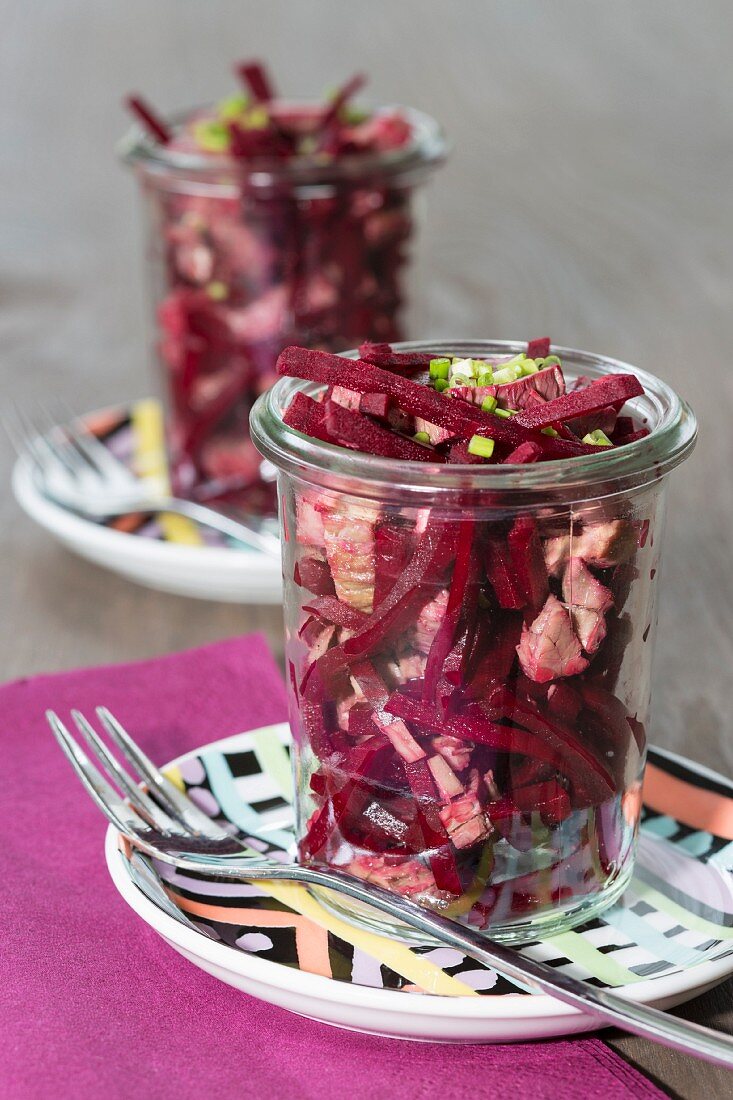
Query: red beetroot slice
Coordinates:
[528,560]
[622,440]
[441,858]
[504,580]
[331,120]
[459,455]
[307,416]
[420,400]
[350,798]
[352,429]
[624,425]
[550,799]
[375,404]
[332,610]
[612,390]
[445,634]
[492,662]
[614,715]
[315,575]
[482,731]
[539,348]
[523,454]
[588,772]
[149,118]
[254,76]
[392,550]
[381,355]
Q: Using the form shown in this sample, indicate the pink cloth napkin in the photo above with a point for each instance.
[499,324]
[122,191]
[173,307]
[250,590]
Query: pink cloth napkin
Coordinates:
[93,1004]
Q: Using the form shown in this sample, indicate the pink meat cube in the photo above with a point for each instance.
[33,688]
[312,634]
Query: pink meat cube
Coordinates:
[587,601]
[549,648]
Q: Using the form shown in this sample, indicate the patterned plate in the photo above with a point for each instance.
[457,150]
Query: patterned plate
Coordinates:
[668,939]
[164,551]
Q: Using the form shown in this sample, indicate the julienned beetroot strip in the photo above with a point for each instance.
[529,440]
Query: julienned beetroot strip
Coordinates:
[382,355]
[255,77]
[352,429]
[457,666]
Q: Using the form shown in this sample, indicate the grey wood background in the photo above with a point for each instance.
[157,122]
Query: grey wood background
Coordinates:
[588,196]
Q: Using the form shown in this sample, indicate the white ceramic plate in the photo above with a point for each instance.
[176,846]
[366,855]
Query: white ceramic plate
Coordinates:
[675,923]
[210,572]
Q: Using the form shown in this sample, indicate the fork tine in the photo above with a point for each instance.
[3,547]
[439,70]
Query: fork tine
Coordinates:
[145,806]
[43,448]
[105,797]
[177,804]
[97,455]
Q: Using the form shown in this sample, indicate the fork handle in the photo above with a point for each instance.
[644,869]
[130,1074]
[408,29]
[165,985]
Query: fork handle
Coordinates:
[651,1023]
[209,517]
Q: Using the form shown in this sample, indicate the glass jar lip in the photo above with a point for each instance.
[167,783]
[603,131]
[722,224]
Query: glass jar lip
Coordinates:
[672,437]
[428,147]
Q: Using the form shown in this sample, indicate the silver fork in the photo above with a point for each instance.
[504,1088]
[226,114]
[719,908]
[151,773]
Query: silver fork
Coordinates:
[77,471]
[165,824]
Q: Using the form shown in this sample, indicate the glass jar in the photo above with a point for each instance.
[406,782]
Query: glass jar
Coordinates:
[246,259]
[468,661]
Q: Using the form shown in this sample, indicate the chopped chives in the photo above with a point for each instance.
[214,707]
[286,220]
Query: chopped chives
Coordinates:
[439,368]
[232,107]
[488,405]
[549,431]
[481,446]
[217,290]
[505,413]
[441,384]
[212,136]
[506,374]
[597,439]
[421,437]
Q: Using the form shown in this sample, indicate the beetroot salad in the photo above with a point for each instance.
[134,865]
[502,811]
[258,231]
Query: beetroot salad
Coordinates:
[271,222]
[469,660]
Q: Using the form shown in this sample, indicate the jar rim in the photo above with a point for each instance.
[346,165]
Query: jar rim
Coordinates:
[427,147]
[673,432]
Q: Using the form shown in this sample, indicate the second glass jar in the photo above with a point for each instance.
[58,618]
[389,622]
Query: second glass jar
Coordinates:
[246,259]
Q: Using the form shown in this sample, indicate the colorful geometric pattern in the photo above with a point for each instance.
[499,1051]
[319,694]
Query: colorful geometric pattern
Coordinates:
[136,436]
[676,914]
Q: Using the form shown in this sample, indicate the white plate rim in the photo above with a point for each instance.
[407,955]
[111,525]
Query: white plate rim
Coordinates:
[317,987]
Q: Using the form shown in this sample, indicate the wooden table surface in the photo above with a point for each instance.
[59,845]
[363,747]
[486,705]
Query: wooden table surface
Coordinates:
[588,197]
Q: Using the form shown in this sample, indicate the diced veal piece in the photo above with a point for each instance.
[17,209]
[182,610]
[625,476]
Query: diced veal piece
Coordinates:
[587,601]
[434,432]
[447,782]
[601,545]
[547,383]
[308,522]
[525,550]
[350,552]
[457,753]
[549,648]
[465,821]
[429,620]
[349,399]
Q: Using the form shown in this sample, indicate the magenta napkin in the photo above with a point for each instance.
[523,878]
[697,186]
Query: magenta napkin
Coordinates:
[93,1004]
